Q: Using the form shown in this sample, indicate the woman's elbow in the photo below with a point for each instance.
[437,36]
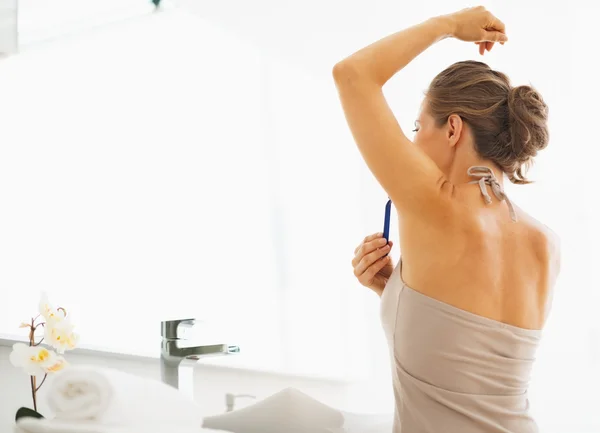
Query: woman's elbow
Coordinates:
[344,71]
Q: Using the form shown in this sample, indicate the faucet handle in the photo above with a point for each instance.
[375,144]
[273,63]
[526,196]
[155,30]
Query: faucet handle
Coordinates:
[176,329]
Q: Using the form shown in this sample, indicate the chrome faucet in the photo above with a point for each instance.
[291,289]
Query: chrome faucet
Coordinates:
[177,346]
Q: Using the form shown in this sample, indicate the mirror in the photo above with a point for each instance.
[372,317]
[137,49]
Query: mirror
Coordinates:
[162,167]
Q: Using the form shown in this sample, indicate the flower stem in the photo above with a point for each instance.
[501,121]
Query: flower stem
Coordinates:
[43,380]
[33,393]
[32,332]
[33,378]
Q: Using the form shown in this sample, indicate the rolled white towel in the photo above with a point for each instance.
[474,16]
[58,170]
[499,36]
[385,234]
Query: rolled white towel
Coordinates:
[103,396]
[82,393]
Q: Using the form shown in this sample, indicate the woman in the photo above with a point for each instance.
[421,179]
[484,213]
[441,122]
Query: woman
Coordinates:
[464,308]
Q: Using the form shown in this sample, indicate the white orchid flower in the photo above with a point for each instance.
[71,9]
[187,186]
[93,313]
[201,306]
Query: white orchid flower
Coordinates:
[35,360]
[45,307]
[59,364]
[48,312]
[60,335]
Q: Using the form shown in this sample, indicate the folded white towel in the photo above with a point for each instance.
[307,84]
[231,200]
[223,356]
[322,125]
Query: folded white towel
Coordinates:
[291,411]
[288,411]
[33,425]
[103,396]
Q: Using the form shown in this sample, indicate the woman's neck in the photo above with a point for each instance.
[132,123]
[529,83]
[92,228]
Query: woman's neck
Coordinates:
[457,173]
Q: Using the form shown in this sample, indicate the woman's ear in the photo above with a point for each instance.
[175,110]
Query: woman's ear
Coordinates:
[455,129]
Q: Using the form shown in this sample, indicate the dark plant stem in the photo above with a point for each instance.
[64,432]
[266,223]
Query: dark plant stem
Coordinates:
[43,380]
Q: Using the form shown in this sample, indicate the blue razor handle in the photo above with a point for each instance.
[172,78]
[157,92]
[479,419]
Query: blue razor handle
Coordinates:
[386,222]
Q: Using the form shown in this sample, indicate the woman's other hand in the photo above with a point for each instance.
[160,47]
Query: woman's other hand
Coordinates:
[477,25]
[372,267]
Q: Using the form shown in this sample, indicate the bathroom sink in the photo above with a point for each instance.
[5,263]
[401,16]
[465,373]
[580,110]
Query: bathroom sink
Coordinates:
[291,411]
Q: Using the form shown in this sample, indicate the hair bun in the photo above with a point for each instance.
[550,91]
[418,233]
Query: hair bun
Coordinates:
[528,117]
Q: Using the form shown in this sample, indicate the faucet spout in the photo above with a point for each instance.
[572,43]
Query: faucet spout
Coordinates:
[176,348]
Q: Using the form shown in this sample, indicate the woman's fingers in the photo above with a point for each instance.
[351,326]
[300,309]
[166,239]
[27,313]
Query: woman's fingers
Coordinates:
[367,248]
[369,259]
[367,277]
[496,24]
[371,246]
[485,46]
[494,30]
[368,239]
[494,36]
[478,24]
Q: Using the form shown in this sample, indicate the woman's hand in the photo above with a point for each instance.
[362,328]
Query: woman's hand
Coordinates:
[372,267]
[477,25]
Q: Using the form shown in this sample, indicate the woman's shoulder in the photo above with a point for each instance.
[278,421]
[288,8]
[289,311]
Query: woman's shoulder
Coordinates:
[540,233]
[545,242]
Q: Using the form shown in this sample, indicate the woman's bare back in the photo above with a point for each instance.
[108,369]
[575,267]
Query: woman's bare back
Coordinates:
[478,259]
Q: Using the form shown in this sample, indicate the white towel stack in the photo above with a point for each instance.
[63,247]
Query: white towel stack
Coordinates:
[104,400]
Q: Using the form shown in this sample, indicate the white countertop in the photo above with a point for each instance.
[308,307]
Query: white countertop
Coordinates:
[146,356]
